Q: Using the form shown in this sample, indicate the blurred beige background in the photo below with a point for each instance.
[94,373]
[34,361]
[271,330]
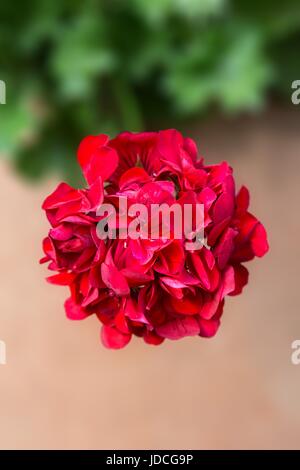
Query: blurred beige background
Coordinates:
[61,389]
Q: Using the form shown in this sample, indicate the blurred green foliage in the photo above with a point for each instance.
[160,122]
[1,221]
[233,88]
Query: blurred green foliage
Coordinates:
[74,68]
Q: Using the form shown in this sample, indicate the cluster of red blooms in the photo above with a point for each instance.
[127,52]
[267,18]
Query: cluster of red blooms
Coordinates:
[153,289]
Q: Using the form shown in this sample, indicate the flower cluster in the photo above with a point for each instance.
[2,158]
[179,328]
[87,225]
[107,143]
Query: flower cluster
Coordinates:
[153,289]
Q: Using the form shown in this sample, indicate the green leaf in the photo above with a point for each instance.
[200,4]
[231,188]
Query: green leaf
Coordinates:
[81,57]
[18,126]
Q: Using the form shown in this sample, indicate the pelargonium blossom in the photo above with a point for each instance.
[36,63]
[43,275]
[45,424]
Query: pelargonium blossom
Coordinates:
[152,289]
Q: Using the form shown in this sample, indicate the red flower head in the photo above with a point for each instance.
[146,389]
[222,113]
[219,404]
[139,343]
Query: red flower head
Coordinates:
[154,288]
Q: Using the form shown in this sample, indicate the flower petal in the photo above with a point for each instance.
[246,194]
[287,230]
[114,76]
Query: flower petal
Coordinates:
[74,311]
[179,328]
[88,146]
[113,338]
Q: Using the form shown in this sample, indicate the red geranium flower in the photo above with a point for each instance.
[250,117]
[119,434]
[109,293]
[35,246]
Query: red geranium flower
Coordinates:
[151,288]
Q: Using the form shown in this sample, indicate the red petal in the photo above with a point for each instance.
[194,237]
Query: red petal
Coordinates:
[61,279]
[242,200]
[74,311]
[225,246]
[189,305]
[223,207]
[228,284]
[102,163]
[212,301]
[179,328]
[61,232]
[171,258]
[191,148]
[96,194]
[240,278]
[259,240]
[88,146]
[150,337]
[169,143]
[63,194]
[121,323]
[113,338]
[200,270]
[91,297]
[133,311]
[134,175]
[113,278]
[208,328]
[171,282]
